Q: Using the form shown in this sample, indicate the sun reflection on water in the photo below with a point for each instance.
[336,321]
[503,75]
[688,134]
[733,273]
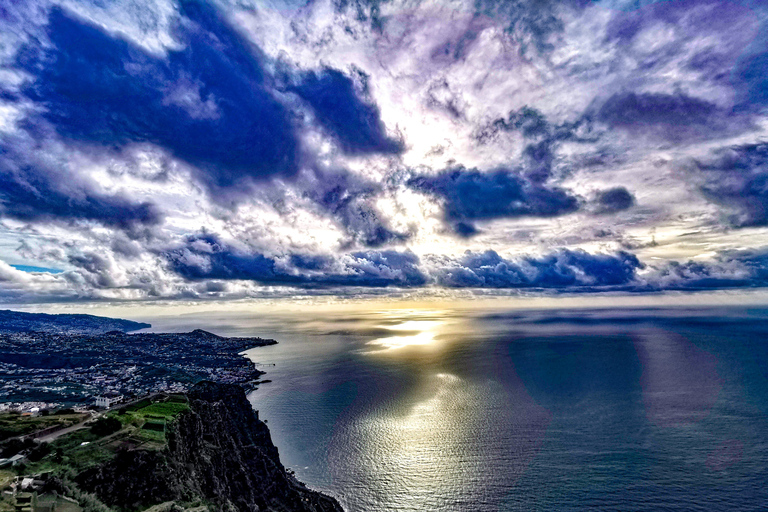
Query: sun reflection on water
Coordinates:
[410,333]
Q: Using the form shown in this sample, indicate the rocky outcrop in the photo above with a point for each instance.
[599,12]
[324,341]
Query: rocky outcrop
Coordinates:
[218,453]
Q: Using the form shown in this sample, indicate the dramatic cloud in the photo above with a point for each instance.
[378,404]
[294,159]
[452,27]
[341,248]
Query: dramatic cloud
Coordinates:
[542,139]
[349,200]
[208,258]
[532,23]
[471,195]
[33,188]
[207,103]
[354,123]
[732,270]
[381,147]
[564,269]
[674,116]
[738,177]
[614,200]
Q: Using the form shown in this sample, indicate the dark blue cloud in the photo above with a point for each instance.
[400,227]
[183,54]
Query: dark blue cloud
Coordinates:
[532,23]
[205,257]
[729,270]
[353,121]
[33,191]
[614,200]
[638,110]
[364,10]
[542,138]
[528,121]
[696,16]
[563,269]
[471,195]
[751,77]
[349,200]
[458,45]
[737,177]
[206,103]
[732,24]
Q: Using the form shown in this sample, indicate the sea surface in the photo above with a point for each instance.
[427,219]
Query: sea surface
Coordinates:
[449,410]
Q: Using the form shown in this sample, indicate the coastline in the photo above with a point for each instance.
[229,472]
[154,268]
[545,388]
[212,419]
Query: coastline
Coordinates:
[203,448]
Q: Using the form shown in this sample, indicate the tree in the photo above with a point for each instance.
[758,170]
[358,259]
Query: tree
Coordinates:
[39,451]
[105,426]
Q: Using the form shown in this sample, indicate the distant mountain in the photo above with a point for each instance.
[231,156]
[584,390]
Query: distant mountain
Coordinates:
[17,321]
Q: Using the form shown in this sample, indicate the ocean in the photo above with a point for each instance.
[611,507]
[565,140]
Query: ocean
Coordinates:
[516,410]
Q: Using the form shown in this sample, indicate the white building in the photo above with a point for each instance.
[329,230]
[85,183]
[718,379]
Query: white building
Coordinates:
[108,401]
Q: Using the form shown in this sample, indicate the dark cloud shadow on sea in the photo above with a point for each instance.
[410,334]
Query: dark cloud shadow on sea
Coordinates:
[679,380]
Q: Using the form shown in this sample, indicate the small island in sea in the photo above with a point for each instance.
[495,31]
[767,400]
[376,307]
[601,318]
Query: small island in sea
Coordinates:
[100,421]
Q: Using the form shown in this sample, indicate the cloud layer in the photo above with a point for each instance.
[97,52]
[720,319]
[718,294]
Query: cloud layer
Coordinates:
[192,149]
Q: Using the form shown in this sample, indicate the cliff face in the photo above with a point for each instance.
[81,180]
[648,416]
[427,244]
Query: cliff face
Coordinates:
[218,452]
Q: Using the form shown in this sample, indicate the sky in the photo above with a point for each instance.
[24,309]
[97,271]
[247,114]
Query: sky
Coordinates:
[161,150]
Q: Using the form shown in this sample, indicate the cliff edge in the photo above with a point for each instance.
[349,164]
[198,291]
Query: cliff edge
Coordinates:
[218,454]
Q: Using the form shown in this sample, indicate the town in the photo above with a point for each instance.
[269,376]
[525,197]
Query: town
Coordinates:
[40,371]
[68,399]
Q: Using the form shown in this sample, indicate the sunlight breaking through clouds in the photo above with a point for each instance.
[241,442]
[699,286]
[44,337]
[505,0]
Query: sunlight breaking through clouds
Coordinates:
[376,148]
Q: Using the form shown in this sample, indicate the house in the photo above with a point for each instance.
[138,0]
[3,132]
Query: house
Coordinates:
[108,400]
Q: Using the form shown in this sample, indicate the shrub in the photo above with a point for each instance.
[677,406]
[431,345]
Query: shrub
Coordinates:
[39,451]
[105,426]
[14,446]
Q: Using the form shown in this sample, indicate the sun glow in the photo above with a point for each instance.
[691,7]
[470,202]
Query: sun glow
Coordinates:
[414,333]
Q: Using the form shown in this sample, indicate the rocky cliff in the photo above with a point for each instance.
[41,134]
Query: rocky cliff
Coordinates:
[218,453]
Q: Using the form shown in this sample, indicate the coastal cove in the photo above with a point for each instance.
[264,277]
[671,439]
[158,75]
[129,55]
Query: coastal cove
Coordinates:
[515,410]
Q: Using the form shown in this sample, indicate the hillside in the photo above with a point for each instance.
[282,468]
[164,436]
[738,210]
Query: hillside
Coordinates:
[17,321]
[205,451]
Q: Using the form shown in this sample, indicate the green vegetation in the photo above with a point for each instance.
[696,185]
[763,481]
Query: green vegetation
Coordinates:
[157,426]
[137,405]
[141,425]
[14,424]
[163,409]
[39,451]
[106,426]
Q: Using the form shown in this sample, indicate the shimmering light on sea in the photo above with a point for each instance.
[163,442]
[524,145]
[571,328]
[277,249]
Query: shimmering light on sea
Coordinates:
[440,410]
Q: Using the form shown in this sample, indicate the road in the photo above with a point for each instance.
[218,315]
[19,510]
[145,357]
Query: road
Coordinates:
[55,435]
[94,415]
